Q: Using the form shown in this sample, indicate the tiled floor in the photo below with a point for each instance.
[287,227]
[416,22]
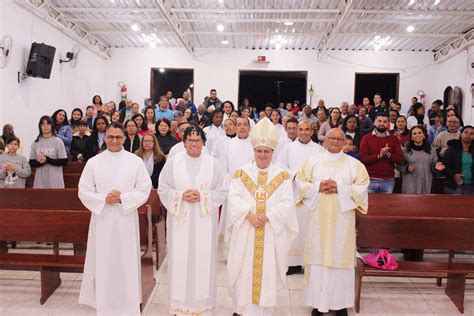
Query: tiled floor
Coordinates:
[19,295]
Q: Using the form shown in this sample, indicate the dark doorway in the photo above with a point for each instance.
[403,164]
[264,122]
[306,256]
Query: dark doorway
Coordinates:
[367,84]
[261,87]
[175,80]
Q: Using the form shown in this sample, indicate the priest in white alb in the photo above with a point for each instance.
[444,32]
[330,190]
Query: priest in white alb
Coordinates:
[230,133]
[334,187]
[291,127]
[261,225]
[235,153]
[112,186]
[292,158]
[192,186]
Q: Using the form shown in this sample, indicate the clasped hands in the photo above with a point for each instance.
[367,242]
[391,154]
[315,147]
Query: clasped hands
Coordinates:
[113,197]
[41,158]
[9,167]
[191,196]
[328,186]
[257,220]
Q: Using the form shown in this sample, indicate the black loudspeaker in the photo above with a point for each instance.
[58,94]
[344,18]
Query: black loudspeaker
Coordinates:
[40,61]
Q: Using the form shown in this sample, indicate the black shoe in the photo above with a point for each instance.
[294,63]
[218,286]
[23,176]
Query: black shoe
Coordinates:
[342,312]
[294,270]
[315,312]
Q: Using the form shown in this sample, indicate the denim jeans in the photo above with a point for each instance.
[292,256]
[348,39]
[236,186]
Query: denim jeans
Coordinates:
[461,189]
[381,185]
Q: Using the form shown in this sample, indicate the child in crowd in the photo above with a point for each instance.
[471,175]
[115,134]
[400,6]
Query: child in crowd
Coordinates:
[14,168]
[349,147]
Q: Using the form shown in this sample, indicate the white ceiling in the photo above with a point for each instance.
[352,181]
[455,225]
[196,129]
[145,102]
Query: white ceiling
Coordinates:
[259,24]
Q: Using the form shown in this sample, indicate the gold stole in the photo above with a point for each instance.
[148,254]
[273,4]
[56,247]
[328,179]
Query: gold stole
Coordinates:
[261,192]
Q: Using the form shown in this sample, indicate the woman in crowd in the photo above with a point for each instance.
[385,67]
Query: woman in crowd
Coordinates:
[234,115]
[418,117]
[150,119]
[97,104]
[76,116]
[141,125]
[48,156]
[115,117]
[401,130]
[227,108]
[14,168]
[152,156]
[95,144]
[452,112]
[315,126]
[350,125]
[276,120]
[163,135]
[132,139]
[62,128]
[187,116]
[333,121]
[459,162]
[79,142]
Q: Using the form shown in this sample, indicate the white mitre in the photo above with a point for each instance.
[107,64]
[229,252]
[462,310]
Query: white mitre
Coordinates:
[264,133]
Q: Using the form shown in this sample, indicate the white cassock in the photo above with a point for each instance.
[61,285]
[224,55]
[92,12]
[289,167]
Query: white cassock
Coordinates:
[258,257]
[279,147]
[192,230]
[236,153]
[179,148]
[111,280]
[330,250]
[291,158]
[219,145]
[212,134]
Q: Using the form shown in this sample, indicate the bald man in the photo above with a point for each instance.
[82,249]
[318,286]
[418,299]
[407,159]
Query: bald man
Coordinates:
[333,186]
[292,158]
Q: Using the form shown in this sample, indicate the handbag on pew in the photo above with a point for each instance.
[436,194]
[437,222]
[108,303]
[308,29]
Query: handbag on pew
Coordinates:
[381,259]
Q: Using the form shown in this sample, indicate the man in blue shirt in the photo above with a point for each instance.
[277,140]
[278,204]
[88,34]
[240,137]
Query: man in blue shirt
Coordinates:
[163,110]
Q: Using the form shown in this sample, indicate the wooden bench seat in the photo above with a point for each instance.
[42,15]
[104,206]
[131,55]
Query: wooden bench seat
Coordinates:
[419,222]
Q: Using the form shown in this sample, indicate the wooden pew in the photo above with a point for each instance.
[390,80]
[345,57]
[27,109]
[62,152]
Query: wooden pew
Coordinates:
[71,180]
[437,185]
[419,222]
[70,226]
[67,199]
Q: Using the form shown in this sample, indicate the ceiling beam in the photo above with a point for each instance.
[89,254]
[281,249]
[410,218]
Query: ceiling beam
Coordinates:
[175,25]
[257,10]
[50,14]
[345,7]
[454,47]
[131,20]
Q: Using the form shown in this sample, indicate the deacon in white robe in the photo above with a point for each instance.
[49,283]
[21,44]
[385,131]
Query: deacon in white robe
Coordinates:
[192,186]
[230,132]
[333,186]
[292,158]
[236,153]
[261,225]
[112,186]
[291,128]
[215,130]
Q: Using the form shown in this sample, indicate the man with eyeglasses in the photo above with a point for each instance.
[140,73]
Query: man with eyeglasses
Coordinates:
[261,225]
[112,186]
[192,186]
[333,186]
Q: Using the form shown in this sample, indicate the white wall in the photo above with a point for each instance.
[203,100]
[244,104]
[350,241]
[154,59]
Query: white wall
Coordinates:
[23,104]
[332,78]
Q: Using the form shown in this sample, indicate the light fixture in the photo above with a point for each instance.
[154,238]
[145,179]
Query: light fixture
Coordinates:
[225,42]
[279,38]
[278,45]
[288,23]
[410,28]
[436,2]
[162,70]
[412,2]
[220,27]
[191,86]
[135,28]
[379,42]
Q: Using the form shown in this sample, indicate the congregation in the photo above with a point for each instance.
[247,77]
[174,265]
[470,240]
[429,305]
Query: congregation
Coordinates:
[254,169]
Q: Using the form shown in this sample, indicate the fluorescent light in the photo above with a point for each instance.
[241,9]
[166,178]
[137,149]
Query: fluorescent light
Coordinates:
[412,2]
[225,42]
[191,85]
[135,28]
[436,2]
[220,27]
[410,28]
[277,45]
[288,23]
[152,45]
[162,70]
[377,47]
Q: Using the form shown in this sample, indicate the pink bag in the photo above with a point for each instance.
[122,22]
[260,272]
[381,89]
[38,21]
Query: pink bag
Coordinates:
[381,259]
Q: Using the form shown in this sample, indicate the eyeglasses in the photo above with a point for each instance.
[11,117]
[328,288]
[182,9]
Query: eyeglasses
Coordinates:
[112,138]
[263,152]
[335,139]
[194,141]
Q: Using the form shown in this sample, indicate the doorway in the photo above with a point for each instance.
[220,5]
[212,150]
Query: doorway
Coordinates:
[262,87]
[176,80]
[368,84]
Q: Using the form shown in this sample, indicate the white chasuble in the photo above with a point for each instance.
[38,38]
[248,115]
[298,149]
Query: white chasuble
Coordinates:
[192,230]
[330,249]
[111,280]
[292,158]
[257,261]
